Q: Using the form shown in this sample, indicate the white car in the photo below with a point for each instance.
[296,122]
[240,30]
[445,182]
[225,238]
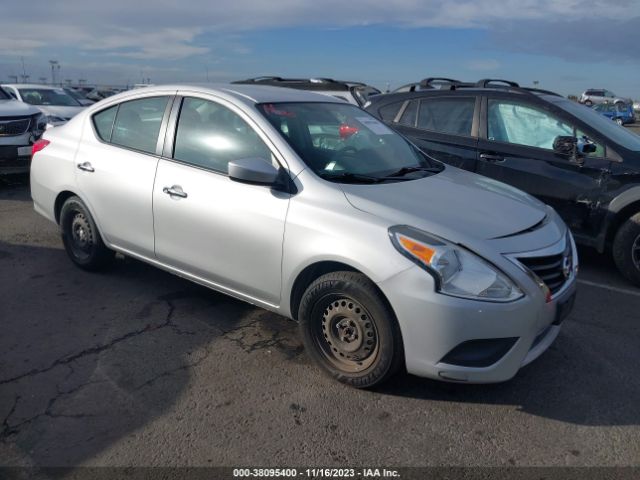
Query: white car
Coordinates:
[310,207]
[54,102]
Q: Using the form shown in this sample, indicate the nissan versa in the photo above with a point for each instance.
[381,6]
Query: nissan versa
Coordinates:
[311,208]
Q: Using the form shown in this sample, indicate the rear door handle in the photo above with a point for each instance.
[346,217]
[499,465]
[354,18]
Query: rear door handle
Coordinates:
[86,166]
[489,157]
[175,191]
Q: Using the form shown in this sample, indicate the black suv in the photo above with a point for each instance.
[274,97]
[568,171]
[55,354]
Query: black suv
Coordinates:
[352,92]
[567,155]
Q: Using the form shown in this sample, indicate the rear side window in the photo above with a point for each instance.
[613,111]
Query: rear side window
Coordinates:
[103,122]
[447,115]
[388,112]
[137,123]
[210,135]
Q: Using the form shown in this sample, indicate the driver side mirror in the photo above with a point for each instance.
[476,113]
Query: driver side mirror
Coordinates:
[574,148]
[256,171]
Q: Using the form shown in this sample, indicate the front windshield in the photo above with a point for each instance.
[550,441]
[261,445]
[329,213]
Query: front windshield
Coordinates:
[601,124]
[48,96]
[342,143]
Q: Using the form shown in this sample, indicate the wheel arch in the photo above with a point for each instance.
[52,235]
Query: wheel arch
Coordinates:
[622,212]
[59,201]
[315,270]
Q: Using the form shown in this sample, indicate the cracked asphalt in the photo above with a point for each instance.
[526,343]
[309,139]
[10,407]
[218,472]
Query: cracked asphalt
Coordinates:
[136,367]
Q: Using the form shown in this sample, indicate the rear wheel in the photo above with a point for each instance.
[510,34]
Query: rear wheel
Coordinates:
[619,121]
[81,238]
[349,330]
[626,249]
[588,103]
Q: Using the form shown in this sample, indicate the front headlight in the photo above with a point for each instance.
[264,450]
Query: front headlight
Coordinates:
[457,271]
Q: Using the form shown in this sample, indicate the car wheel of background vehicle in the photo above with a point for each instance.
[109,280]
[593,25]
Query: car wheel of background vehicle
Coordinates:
[349,330]
[619,121]
[626,249]
[81,237]
[588,103]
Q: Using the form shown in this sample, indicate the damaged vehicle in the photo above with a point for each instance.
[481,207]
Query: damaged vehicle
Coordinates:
[54,102]
[566,154]
[20,126]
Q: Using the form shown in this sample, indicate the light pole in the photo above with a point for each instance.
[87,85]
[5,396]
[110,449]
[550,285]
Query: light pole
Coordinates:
[53,70]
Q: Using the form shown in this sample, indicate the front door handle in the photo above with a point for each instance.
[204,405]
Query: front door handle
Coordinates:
[86,166]
[175,191]
[489,157]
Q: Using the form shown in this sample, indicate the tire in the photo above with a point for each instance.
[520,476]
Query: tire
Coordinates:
[588,103]
[626,249]
[349,329]
[619,121]
[81,238]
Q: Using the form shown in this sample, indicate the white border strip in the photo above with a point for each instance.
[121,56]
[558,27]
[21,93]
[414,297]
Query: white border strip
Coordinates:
[627,291]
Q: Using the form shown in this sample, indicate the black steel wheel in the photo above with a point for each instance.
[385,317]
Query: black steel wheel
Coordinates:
[626,249]
[81,238]
[349,329]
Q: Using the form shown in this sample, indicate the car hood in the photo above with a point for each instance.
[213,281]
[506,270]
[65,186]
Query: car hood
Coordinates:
[60,111]
[14,108]
[451,203]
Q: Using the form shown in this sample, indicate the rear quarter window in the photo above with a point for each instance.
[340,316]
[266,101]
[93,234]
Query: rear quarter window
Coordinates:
[103,122]
[388,112]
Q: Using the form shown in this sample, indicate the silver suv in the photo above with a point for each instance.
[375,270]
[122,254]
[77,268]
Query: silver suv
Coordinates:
[598,96]
[20,126]
[311,208]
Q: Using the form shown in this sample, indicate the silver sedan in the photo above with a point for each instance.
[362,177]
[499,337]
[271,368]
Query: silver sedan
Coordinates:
[311,208]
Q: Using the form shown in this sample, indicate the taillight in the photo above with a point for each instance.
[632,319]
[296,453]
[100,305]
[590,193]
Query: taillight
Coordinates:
[39,145]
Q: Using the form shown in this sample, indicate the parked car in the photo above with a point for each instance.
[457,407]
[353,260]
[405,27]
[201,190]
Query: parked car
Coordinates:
[564,153]
[621,113]
[20,126]
[353,92]
[79,96]
[597,96]
[54,102]
[98,94]
[307,206]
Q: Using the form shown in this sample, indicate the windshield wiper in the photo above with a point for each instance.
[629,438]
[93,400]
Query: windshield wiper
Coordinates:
[406,170]
[352,177]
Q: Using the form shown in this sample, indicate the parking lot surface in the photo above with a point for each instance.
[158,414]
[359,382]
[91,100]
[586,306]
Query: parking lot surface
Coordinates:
[135,366]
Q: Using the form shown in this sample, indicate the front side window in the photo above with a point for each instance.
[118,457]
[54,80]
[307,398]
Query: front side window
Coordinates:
[210,135]
[512,122]
[447,115]
[138,122]
[48,96]
[342,143]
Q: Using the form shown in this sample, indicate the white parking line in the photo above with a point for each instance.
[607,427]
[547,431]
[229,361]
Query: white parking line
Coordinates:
[635,293]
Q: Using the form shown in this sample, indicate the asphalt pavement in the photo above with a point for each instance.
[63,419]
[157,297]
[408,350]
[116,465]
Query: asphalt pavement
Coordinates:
[137,367]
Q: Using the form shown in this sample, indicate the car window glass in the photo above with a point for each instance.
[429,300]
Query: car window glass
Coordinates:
[410,114]
[138,123]
[524,125]
[48,96]
[388,112]
[447,115]
[210,135]
[103,122]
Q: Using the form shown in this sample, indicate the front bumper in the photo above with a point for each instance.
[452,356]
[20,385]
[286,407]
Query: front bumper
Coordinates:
[15,158]
[433,325]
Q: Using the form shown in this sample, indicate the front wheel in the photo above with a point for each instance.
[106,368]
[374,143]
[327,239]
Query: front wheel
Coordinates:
[619,121]
[81,238]
[349,330]
[626,249]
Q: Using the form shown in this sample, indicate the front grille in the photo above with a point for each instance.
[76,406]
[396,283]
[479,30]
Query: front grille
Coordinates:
[553,270]
[14,127]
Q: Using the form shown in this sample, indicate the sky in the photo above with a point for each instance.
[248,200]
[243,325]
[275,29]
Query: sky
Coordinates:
[564,45]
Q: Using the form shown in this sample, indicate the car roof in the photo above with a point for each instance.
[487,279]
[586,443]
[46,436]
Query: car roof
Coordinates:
[248,94]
